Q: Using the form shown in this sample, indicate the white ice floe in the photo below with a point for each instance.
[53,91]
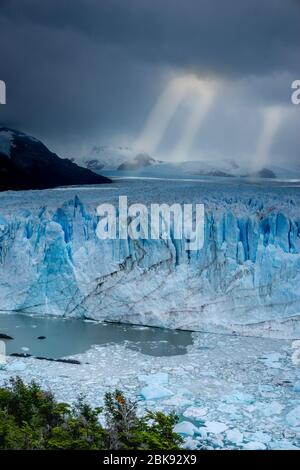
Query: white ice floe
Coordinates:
[293,417]
[190,443]
[270,409]
[195,413]
[186,428]
[254,445]
[215,427]
[239,397]
[234,436]
[283,444]
[160,378]
[260,436]
[155,392]
[16,366]
[297,387]
[179,401]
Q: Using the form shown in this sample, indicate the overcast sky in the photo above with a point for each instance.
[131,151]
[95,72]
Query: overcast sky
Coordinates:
[87,72]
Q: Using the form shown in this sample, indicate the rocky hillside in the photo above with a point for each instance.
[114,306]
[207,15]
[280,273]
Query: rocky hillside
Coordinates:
[26,163]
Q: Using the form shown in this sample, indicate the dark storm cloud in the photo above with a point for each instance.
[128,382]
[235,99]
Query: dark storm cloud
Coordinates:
[232,37]
[79,72]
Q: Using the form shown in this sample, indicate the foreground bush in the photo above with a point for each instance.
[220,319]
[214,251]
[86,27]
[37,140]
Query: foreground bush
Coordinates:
[30,418]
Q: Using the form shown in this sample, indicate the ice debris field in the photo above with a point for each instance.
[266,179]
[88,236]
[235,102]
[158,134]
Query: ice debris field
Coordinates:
[231,392]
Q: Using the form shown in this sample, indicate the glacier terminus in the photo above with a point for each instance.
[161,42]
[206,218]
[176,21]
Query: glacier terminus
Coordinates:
[245,279]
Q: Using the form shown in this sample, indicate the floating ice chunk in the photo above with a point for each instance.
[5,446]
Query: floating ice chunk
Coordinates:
[17,366]
[185,428]
[272,360]
[24,348]
[265,388]
[254,445]
[297,387]
[293,417]
[215,427]
[251,408]
[283,445]
[184,392]
[216,443]
[239,397]
[178,400]
[190,368]
[161,378]
[190,443]
[155,392]
[224,408]
[202,432]
[234,436]
[195,413]
[259,436]
[270,409]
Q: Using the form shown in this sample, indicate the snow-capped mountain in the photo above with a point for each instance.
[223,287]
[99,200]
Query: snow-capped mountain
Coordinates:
[122,158]
[107,157]
[139,162]
[225,168]
[231,168]
[26,163]
[118,161]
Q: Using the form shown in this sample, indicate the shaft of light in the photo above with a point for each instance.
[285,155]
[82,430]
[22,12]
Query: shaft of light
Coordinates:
[166,107]
[204,98]
[272,118]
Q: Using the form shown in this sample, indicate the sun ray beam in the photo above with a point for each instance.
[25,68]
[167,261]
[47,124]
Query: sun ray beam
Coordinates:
[204,98]
[272,118]
[166,107]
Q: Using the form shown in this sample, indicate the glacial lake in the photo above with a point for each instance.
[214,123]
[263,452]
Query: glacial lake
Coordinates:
[64,337]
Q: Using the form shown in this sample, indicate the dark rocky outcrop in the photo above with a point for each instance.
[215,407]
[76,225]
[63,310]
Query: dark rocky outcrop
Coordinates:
[3,336]
[26,163]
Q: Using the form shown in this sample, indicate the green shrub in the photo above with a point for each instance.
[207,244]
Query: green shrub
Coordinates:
[31,418]
[126,430]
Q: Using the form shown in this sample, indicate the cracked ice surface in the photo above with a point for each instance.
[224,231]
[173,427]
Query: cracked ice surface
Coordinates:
[229,391]
[245,279]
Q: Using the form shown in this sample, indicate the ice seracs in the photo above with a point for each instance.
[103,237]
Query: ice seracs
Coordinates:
[241,281]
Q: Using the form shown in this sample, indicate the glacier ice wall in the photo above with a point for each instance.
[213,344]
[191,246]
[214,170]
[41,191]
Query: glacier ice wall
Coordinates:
[246,278]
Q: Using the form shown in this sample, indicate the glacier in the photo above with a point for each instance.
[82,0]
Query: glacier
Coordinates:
[245,279]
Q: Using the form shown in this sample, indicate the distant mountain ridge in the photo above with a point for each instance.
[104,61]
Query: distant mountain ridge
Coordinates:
[26,163]
[121,158]
[118,161]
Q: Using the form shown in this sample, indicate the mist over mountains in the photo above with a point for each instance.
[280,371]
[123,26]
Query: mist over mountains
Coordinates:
[126,161]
